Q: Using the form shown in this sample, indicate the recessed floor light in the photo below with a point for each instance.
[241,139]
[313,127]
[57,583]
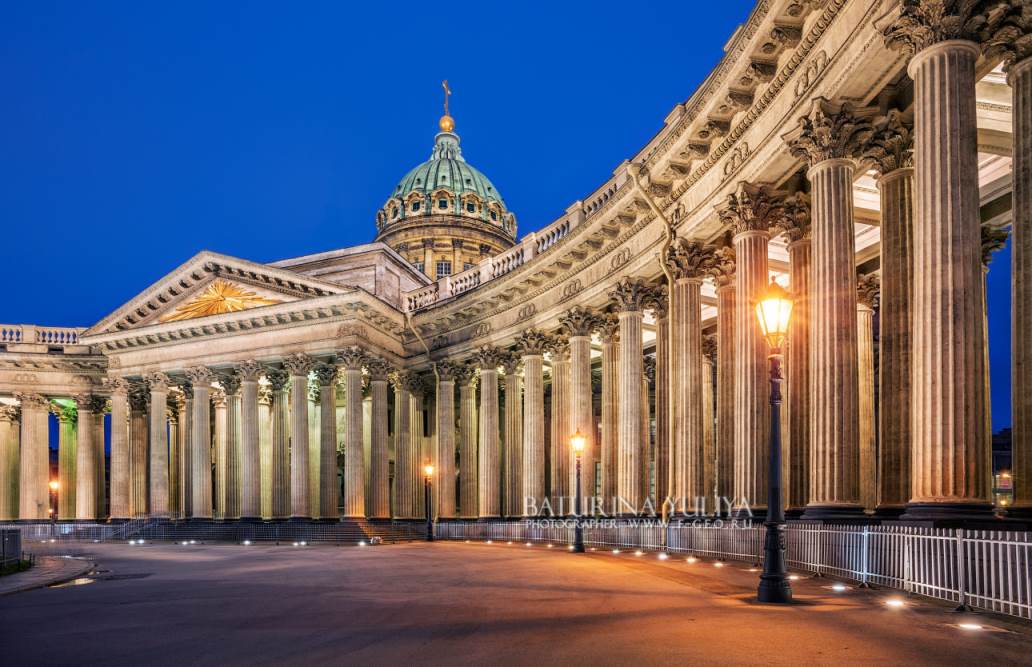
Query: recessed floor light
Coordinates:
[895,603]
[969,626]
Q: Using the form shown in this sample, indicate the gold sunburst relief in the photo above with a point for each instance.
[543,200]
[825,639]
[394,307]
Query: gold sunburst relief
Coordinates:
[221,296]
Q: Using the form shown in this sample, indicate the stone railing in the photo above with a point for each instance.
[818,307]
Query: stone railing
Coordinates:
[36,335]
[491,268]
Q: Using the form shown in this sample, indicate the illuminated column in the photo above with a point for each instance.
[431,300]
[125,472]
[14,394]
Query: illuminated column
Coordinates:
[379,458]
[665,453]
[298,365]
[750,213]
[513,460]
[867,296]
[34,473]
[688,262]
[723,272]
[468,493]
[100,407]
[200,441]
[139,461]
[87,450]
[402,492]
[560,427]
[328,489]
[709,442]
[218,404]
[648,378]
[279,380]
[609,331]
[489,358]
[185,451]
[352,360]
[532,345]
[250,454]
[10,425]
[265,432]
[628,297]
[232,495]
[578,324]
[797,365]
[828,138]
[414,468]
[158,460]
[172,412]
[444,457]
[119,389]
[66,459]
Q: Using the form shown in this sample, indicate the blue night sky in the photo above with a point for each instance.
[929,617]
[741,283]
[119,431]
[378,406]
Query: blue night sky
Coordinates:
[136,134]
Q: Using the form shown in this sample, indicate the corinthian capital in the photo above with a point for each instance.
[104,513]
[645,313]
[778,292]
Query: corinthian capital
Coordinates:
[1011,40]
[830,132]
[157,381]
[230,383]
[629,294]
[33,401]
[200,376]
[922,23]
[299,363]
[249,370]
[326,374]
[723,269]
[993,239]
[690,259]
[489,357]
[578,321]
[754,207]
[116,385]
[532,341]
[278,378]
[10,414]
[868,287]
[411,382]
[378,369]
[447,371]
[891,145]
[795,223]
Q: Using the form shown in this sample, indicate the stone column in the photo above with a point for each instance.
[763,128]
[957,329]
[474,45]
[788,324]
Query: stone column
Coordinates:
[139,460]
[489,469]
[66,459]
[796,449]
[328,489]
[628,297]
[414,470]
[724,276]
[1020,78]
[578,324]
[709,443]
[379,457]
[10,425]
[100,407]
[352,360]
[950,456]
[750,213]
[265,432]
[532,345]
[608,328]
[648,378]
[688,262]
[867,296]
[561,493]
[159,483]
[468,489]
[34,472]
[87,450]
[280,421]
[186,450]
[232,494]
[119,389]
[664,402]
[174,436]
[218,404]
[298,365]
[444,457]
[827,138]
[890,152]
[250,453]
[402,492]
[200,441]
[513,459]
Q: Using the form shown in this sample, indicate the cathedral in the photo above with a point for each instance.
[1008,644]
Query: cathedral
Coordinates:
[868,157]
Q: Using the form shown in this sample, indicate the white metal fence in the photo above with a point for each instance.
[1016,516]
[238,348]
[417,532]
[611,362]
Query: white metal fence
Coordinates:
[988,569]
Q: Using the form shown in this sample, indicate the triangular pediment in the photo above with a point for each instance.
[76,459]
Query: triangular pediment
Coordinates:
[210,285]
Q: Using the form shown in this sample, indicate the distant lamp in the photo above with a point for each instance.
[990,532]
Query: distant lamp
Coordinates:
[55,485]
[428,470]
[577,443]
[773,311]
[428,500]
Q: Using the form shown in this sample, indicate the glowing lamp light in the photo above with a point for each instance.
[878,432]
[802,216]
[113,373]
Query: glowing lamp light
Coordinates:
[894,603]
[838,588]
[662,556]
[529,544]
[54,485]
[549,546]
[773,311]
[718,565]
[490,542]
[428,470]
[577,442]
[639,553]
[794,577]
[616,551]
[691,559]
[969,626]
[247,543]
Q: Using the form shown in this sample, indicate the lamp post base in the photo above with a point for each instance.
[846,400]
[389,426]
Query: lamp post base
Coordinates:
[774,590]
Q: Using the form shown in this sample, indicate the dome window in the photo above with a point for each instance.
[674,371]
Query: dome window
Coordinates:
[419,181]
[471,207]
[415,206]
[494,215]
[443,269]
[469,182]
[442,203]
[394,212]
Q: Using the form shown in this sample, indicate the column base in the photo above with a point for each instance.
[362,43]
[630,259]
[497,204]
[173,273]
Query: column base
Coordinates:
[794,512]
[488,519]
[848,513]
[953,515]
[889,511]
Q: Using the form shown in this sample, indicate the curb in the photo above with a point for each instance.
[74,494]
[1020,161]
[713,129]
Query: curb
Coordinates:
[58,578]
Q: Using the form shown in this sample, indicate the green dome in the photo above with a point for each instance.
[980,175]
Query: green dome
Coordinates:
[446,185]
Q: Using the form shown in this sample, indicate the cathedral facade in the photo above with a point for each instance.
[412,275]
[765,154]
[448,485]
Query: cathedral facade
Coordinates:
[869,156]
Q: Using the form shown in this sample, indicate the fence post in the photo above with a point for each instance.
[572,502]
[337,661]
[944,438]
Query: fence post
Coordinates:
[907,564]
[961,573]
[866,560]
[819,569]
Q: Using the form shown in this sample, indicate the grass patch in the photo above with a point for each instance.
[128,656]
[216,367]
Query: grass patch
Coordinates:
[14,568]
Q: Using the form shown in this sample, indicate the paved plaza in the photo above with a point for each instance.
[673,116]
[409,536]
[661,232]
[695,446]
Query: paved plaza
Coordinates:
[468,603]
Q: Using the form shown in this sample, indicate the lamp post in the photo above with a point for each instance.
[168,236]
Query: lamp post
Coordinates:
[54,486]
[577,442]
[773,311]
[428,471]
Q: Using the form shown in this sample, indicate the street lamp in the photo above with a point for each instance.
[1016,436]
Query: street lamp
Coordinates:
[428,471]
[54,486]
[773,311]
[577,442]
